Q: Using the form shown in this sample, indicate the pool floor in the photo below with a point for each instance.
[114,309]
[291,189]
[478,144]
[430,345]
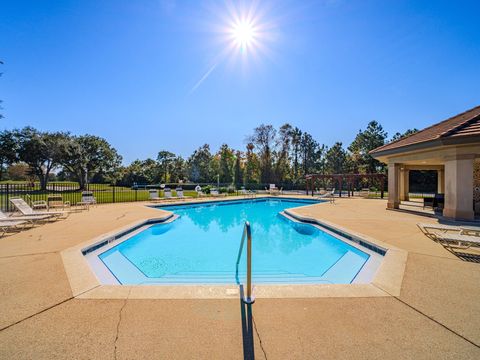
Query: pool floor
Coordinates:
[202,245]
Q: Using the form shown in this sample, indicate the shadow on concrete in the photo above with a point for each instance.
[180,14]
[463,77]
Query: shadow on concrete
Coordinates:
[247,328]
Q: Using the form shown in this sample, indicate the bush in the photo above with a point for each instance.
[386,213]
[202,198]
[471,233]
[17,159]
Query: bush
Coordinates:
[206,189]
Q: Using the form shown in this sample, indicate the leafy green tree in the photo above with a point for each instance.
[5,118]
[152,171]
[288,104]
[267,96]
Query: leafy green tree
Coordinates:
[296,141]
[238,170]
[226,158]
[263,138]
[199,164]
[8,150]
[179,171]
[283,143]
[252,166]
[42,151]
[399,136]
[336,159]
[141,172]
[87,155]
[309,152]
[165,160]
[18,172]
[365,141]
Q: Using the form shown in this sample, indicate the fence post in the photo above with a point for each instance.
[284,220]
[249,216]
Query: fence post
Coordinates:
[113,194]
[7,198]
[136,189]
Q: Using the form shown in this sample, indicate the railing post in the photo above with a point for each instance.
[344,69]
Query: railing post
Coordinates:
[113,194]
[7,198]
[249,298]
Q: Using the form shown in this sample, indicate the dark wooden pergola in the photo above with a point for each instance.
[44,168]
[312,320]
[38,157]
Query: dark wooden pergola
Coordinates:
[349,179]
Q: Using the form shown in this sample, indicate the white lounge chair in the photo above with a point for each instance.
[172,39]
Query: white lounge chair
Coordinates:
[10,224]
[328,195]
[29,218]
[452,237]
[167,194]
[153,195]
[25,209]
[180,194]
[87,199]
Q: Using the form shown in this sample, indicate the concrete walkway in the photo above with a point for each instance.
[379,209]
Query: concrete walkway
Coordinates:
[436,316]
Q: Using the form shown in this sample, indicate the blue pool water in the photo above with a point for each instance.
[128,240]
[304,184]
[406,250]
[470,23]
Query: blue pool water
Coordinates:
[202,245]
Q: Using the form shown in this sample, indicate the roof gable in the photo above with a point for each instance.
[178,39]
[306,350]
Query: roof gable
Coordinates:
[461,125]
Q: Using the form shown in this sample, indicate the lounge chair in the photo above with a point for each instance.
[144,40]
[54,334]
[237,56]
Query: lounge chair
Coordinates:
[452,237]
[167,194]
[10,224]
[33,219]
[273,190]
[25,209]
[153,195]
[180,194]
[328,195]
[247,193]
[87,199]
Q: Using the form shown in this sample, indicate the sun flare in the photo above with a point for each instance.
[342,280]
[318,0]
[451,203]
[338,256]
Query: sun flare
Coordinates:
[243,34]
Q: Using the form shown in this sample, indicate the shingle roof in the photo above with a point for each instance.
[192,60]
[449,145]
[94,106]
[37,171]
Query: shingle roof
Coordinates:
[461,125]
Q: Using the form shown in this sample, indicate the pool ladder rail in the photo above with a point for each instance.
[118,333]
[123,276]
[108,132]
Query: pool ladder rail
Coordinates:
[249,298]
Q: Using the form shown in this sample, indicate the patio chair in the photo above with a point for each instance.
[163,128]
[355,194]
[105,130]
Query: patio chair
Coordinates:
[180,194]
[56,202]
[273,190]
[25,209]
[247,193]
[36,204]
[153,195]
[167,194]
[87,199]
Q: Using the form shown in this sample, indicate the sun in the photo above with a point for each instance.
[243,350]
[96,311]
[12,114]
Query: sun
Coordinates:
[243,34]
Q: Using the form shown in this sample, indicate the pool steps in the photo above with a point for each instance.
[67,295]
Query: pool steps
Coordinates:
[335,274]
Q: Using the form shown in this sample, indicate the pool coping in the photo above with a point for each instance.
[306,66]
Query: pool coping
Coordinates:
[86,285]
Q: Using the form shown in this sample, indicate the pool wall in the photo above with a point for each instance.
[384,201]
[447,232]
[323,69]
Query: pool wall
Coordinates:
[86,284]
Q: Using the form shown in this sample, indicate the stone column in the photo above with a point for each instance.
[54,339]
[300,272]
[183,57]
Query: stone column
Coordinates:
[459,187]
[441,181]
[393,186]
[404,184]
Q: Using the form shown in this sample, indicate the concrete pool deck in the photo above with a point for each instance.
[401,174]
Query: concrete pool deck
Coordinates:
[436,314]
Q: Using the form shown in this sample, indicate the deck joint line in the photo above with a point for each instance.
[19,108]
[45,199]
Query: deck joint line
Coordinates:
[432,319]
[259,338]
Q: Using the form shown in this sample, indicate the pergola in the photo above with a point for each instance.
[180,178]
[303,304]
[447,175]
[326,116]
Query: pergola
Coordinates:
[341,179]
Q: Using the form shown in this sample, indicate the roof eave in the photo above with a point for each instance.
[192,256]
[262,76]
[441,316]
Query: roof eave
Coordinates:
[462,140]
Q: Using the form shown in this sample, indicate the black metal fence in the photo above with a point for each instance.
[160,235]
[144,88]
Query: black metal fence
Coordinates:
[106,193]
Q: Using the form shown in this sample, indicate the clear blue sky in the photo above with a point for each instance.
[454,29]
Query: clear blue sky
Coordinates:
[131,71]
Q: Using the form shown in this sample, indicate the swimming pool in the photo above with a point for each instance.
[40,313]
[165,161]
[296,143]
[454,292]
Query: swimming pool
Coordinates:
[202,244]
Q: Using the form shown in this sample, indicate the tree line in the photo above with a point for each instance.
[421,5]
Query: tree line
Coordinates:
[281,156]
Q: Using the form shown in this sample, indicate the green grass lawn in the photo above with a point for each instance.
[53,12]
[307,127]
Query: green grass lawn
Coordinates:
[103,194]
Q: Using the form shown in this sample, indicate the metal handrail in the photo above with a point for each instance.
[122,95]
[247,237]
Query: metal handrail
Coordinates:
[247,232]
